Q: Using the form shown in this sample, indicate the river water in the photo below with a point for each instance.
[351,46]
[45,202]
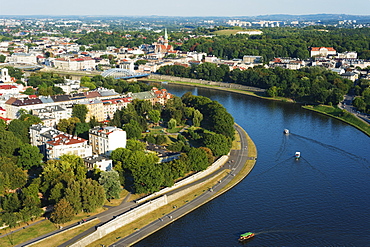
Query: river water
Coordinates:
[322,199]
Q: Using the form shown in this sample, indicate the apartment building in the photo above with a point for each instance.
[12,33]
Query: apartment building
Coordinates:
[67,144]
[106,139]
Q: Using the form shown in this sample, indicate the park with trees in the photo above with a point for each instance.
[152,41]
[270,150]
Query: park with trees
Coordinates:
[28,183]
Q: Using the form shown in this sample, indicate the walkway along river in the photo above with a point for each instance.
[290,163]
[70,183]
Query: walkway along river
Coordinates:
[320,200]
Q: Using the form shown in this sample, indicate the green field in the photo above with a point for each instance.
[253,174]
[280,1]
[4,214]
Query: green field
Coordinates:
[27,234]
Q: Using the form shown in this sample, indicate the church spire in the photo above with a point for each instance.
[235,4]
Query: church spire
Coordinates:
[165,37]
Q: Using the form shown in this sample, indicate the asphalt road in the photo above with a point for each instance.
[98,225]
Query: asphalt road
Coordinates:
[347,105]
[236,162]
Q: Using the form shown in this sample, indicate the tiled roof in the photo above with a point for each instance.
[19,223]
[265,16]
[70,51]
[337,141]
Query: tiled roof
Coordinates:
[92,94]
[65,139]
[23,102]
[319,48]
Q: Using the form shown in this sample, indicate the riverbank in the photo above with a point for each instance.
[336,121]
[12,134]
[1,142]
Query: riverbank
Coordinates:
[220,86]
[341,115]
[212,188]
[322,109]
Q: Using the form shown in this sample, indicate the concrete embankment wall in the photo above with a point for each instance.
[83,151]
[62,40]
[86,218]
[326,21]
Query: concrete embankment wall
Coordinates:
[216,165]
[122,220]
[205,82]
[150,206]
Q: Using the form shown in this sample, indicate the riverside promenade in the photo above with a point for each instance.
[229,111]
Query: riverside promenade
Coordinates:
[240,164]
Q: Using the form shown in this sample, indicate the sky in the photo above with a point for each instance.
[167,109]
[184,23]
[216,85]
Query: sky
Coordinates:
[183,8]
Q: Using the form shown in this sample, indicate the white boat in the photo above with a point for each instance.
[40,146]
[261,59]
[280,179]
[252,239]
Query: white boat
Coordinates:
[297,155]
[286,131]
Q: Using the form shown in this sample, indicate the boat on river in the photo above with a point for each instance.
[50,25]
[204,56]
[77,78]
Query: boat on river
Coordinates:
[286,131]
[246,236]
[297,155]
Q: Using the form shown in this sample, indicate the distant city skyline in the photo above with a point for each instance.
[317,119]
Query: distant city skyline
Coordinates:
[204,8]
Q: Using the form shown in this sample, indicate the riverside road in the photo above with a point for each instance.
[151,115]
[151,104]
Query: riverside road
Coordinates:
[235,162]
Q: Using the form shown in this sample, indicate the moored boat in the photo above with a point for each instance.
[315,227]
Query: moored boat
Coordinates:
[286,131]
[246,236]
[297,155]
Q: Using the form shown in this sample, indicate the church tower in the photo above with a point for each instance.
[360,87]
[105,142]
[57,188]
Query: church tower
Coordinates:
[165,37]
[5,77]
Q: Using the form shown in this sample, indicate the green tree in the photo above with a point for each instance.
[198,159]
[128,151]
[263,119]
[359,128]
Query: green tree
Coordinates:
[110,182]
[8,143]
[197,159]
[16,177]
[150,139]
[10,219]
[135,145]
[154,116]
[197,118]
[80,112]
[82,130]
[2,58]
[93,195]
[11,202]
[172,123]
[30,91]
[56,193]
[133,130]
[68,125]
[29,156]
[73,196]
[63,212]
[209,154]
[161,139]
[218,143]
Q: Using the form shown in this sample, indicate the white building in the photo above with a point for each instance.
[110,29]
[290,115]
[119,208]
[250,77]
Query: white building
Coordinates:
[106,139]
[252,59]
[322,51]
[69,86]
[113,105]
[347,54]
[251,32]
[67,144]
[20,57]
[99,162]
[40,134]
[82,63]
[51,115]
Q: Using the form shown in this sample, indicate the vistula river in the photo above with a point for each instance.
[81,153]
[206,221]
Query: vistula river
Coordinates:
[323,199]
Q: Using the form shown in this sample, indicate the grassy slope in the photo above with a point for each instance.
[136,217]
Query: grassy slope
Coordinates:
[344,116]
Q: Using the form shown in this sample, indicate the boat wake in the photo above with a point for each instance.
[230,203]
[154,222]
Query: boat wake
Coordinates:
[269,169]
[277,231]
[333,148]
[282,148]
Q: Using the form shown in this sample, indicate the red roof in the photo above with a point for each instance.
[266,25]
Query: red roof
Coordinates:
[65,139]
[92,94]
[319,48]
[5,119]
[116,101]
[7,87]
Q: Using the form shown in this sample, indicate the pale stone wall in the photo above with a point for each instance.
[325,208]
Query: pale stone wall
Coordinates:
[121,221]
